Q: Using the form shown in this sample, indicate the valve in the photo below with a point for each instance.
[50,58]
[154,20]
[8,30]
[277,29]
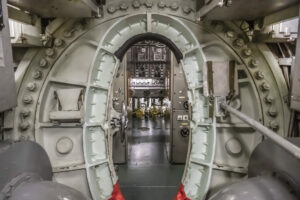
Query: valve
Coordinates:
[185,132]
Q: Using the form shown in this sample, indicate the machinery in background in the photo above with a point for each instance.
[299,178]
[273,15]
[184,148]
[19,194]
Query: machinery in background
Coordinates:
[180,115]
[153,84]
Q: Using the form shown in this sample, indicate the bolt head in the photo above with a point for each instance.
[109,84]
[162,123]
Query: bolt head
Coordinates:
[148,4]
[43,63]
[254,63]
[68,34]
[265,87]
[268,99]
[245,26]
[123,6]
[186,9]
[259,75]
[274,125]
[25,113]
[27,99]
[136,4]
[24,126]
[37,74]
[31,87]
[247,52]
[239,42]
[174,6]
[272,113]
[111,9]
[58,42]
[50,52]
[161,4]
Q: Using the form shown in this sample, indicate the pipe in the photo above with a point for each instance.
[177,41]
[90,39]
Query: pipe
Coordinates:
[285,144]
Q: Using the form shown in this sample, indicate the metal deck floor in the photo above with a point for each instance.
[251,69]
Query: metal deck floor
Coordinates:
[148,174]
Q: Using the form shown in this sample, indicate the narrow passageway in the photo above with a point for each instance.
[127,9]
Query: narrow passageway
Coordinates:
[148,173]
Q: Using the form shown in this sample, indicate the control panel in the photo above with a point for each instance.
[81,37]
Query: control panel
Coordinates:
[148,60]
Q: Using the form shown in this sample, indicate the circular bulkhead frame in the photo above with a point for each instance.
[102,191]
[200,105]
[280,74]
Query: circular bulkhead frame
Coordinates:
[89,51]
[97,117]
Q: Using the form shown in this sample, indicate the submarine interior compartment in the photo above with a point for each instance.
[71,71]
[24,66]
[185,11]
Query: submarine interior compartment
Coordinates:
[149,99]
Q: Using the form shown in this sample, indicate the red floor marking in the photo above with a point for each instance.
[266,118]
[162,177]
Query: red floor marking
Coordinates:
[116,193]
[181,194]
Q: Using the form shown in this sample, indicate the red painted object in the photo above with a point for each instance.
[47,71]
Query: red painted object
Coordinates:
[181,194]
[116,193]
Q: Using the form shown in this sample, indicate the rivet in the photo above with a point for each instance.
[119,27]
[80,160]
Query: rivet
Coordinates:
[50,52]
[148,4]
[111,9]
[58,42]
[37,74]
[247,52]
[259,75]
[31,87]
[233,146]
[161,4]
[268,99]
[244,26]
[64,145]
[68,34]
[123,6]
[265,86]
[239,43]
[272,111]
[136,4]
[230,34]
[24,126]
[254,63]
[274,125]
[186,9]
[25,113]
[27,99]
[43,63]
[174,6]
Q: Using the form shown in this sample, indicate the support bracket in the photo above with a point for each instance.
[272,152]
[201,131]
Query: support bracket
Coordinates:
[295,92]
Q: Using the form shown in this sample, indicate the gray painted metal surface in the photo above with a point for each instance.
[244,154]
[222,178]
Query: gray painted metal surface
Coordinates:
[26,174]
[23,157]
[259,188]
[270,159]
[285,144]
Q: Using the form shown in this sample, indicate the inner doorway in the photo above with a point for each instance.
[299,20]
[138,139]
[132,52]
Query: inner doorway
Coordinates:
[150,156]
